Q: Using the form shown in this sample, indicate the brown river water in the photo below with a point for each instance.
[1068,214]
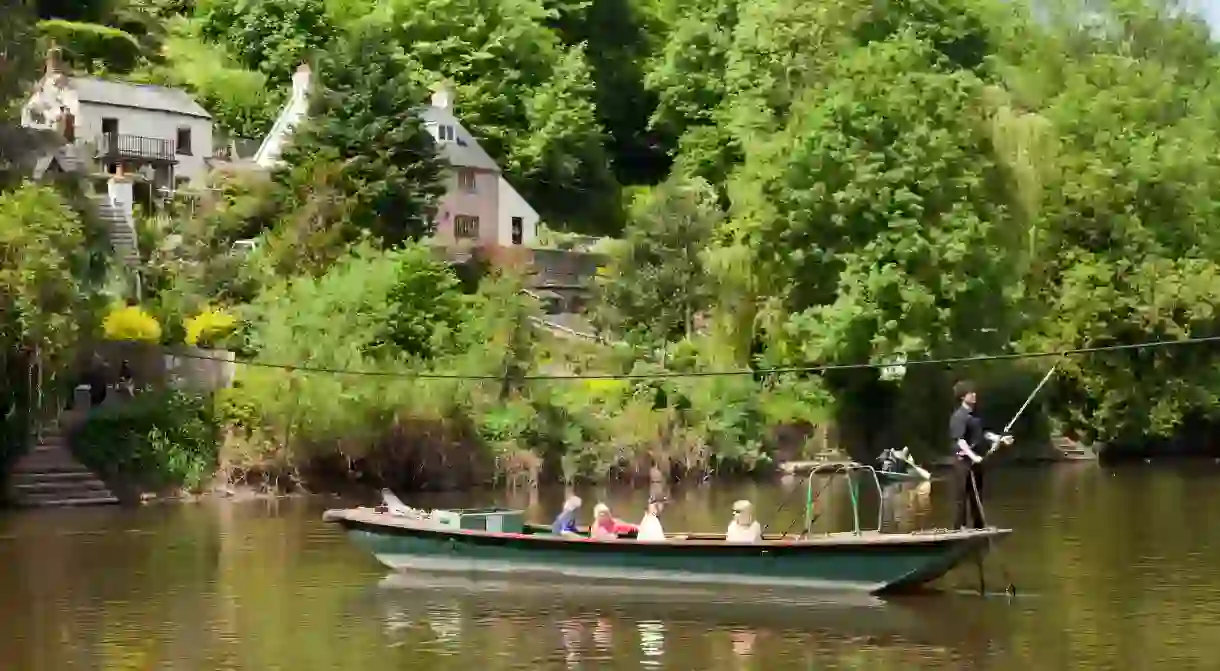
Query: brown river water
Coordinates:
[1115,568]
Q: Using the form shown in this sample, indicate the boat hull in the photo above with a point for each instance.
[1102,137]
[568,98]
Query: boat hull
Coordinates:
[869,562]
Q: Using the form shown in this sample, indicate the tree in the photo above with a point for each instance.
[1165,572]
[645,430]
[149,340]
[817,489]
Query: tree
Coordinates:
[688,78]
[656,282]
[527,99]
[18,38]
[1130,245]
[563,164]
[619,37]
[91,47]
[877,215]
[363,120]
[427,310]
[242,102]
[274,37]
[47,299]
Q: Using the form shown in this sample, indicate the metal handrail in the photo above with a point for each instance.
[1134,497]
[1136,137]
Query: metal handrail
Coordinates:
[847,468]
[139,146]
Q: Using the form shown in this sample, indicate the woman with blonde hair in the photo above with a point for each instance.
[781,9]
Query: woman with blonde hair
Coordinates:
[744,528]
[604,525]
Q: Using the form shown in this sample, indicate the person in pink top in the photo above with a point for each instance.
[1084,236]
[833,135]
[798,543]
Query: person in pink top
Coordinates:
[603,527]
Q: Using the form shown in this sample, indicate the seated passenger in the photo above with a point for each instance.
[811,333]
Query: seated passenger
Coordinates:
[603,527]
[650,527]
[565,522]
[744,528]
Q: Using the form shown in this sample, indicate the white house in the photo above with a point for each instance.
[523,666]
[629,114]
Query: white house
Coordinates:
[160,133]
[479,204]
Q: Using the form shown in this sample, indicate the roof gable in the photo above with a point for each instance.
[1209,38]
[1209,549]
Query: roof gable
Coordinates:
[464,151]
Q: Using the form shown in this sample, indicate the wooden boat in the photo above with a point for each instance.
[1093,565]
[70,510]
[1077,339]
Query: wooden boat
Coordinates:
[499,540]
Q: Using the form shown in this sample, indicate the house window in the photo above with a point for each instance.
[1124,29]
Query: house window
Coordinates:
[465,226]
[110,126]
[445,133]
[518,230]
[466,180]
[184,141]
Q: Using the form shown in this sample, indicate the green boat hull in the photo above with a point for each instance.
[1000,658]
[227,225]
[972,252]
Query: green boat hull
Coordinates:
[871,562]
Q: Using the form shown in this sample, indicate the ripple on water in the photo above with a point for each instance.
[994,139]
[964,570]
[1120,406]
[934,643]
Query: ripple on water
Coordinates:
[263,588]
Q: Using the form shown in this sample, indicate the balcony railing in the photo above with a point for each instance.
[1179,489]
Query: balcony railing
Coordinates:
[118,145]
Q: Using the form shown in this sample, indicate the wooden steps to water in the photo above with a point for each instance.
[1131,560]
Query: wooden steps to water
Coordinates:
[48,475]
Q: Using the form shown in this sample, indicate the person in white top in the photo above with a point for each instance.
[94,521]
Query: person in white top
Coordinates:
[744,528]
[650,527]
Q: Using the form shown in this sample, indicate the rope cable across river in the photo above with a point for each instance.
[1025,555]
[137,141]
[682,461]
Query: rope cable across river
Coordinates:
[944,361]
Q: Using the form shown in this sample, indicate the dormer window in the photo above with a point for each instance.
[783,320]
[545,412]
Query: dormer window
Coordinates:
[445,133]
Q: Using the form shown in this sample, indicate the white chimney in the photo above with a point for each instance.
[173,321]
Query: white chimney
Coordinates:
[300,80]
[442,96]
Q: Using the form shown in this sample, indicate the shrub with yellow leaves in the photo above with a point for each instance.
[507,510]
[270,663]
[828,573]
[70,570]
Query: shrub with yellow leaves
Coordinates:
[210,328]
[131,323]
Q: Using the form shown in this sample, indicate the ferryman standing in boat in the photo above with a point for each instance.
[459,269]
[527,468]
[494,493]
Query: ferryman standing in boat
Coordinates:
[970,444]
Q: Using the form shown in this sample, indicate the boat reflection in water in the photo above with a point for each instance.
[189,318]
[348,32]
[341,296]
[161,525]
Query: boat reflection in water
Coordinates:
[652,643]
[583,624]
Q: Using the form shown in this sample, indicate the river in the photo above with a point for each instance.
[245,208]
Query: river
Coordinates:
[1115,568]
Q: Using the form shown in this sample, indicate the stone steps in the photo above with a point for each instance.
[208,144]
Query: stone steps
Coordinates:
[48,475]
[122,232]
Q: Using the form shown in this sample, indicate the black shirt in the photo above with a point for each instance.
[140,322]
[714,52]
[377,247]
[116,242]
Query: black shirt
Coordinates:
[964,425]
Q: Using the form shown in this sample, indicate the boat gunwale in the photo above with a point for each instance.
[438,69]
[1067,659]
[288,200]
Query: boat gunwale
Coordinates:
[369,520]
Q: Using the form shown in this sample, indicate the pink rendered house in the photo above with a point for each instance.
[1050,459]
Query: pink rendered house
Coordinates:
[479,208]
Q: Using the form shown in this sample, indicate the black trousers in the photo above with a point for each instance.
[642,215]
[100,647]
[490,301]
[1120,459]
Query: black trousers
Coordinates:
[968,477]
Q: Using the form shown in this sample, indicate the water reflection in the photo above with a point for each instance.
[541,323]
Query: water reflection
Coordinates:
[1111,575]
[743,642]
[652,642]
[572,632]
[603,634]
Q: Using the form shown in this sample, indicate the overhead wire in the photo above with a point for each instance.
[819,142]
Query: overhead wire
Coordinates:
[809,369]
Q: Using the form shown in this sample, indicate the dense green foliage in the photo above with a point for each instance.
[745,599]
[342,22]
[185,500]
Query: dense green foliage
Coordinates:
[92,48]
[18,34]
[49,297]
[787,183]
[361,132]
[156,440]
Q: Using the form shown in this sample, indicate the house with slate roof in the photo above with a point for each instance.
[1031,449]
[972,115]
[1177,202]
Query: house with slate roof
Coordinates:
[158,133]
[479,204]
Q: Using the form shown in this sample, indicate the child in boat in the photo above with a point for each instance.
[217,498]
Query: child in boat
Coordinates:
[650,527]
[604,524]
[744,528]
[565,522]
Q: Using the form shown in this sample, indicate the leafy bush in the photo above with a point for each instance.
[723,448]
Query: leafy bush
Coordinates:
[210,328]
[131,323]
[89,45]
[427,307]
[157,439]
